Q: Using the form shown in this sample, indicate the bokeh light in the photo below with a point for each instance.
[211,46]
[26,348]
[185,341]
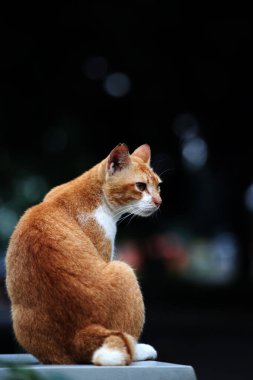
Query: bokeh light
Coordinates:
[8,220]
[248,198]
[194,152]
[225,252]
[185,126]
[117,84]
[32,188]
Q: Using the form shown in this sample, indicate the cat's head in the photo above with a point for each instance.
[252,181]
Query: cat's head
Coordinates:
[131,185]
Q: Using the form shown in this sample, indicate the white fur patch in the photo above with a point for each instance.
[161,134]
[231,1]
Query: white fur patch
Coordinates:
[144,352]
[108,356]
[146,199]
[145,205]
[106,221]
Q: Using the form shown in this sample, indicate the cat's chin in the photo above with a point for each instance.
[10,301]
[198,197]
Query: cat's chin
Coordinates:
[146,213]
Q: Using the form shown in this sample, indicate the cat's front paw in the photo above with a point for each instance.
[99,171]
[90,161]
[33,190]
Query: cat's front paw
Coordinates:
[144,352]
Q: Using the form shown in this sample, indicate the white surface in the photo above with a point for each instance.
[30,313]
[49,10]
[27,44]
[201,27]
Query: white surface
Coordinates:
[144,370]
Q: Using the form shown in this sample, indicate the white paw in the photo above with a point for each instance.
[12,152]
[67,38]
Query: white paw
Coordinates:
[144,352]
[108,356]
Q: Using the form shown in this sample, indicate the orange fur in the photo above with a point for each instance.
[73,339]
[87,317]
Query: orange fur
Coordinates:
[68,297]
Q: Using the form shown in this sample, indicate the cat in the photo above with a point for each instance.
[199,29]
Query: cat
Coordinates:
[70,301]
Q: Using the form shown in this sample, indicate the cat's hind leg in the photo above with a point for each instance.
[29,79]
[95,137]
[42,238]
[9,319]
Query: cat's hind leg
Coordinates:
[102,346]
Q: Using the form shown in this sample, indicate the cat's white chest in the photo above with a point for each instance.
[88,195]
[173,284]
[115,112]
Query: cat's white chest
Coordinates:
[104,218]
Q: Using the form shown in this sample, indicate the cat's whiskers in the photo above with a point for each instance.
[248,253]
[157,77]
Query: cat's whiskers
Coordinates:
[155,213]
[123,210]
[132,217]
[141,211]
[124,217]
[117,214]
[165,171]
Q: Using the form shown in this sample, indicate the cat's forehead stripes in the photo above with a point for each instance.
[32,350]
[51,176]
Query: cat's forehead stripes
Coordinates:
[150,175]
[142,168]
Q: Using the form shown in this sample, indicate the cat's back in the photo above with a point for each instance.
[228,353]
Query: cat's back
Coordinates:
[32,227]
[46,245]
[40,226]
[45,221]
[27,235]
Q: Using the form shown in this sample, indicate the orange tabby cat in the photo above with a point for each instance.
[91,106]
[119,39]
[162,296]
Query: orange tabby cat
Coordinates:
[70,302]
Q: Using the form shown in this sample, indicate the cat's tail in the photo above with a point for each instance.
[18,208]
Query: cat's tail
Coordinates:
[101,346]
[117,349]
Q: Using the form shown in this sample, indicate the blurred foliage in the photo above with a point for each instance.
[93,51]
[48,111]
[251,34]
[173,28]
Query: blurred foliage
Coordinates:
[18,371]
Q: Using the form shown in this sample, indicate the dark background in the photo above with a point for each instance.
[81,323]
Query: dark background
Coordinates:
[80,77]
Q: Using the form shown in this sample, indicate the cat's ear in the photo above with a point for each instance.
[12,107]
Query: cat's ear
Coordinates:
[118,159]
[143,152]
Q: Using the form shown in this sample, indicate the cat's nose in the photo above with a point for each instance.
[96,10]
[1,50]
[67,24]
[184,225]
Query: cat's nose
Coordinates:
[157,201]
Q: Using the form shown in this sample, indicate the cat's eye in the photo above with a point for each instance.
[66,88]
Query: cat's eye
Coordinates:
[141,186]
